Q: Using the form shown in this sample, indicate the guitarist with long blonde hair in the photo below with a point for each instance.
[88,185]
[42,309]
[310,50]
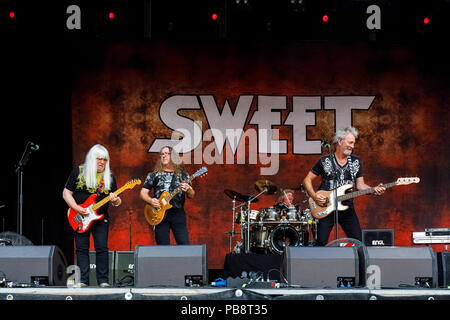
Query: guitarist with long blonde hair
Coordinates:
[92,177]
[168,174]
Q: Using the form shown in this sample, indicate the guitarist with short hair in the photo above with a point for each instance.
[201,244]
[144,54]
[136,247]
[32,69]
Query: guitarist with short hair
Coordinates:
[168,175]
[337,169]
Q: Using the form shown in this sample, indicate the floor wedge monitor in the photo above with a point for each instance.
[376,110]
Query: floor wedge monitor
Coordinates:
[170,265]
[321,267]
[33,265]
[401,267]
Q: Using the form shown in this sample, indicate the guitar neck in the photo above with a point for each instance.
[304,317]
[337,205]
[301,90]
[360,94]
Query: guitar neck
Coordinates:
[358,193]
[106,200]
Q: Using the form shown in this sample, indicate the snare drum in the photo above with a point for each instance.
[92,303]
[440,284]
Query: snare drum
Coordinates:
[270,214]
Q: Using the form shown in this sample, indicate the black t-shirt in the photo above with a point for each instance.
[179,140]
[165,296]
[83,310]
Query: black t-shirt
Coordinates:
[346,174]
[167,181]
[77,184]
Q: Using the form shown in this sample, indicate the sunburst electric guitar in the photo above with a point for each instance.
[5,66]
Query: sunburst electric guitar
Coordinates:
[320,212]
[82,223]
[156,216]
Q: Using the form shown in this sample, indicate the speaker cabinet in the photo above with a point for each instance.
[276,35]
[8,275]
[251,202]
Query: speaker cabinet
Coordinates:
[31,264]
[321,267]
[169,265]
[378,237]
[443,259]
[401,267]
[124,268]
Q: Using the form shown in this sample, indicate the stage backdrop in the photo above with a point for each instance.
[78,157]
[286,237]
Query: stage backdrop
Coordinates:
[250,112]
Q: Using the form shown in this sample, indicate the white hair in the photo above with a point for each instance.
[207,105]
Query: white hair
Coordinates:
[342,133]
[90,167]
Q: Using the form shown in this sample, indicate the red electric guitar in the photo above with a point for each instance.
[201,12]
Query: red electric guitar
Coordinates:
[81,223]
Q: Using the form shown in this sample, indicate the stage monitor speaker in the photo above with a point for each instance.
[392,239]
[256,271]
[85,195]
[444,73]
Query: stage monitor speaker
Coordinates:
[378,237]
[43,265]
[401,267]
[443,259]
[170,265]
[321,267]
[124,268]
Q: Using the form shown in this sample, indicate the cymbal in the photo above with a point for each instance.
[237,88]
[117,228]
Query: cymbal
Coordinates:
[239,197]
[267,185]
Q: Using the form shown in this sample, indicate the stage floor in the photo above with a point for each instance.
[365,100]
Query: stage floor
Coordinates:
[220,293]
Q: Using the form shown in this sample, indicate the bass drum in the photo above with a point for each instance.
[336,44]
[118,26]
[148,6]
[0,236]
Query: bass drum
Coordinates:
[283,236]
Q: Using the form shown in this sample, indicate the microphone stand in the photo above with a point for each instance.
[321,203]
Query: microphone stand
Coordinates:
[335,198]
[19,170]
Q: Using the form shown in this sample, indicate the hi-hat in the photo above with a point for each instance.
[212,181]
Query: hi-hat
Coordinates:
[266,185]
[239,197]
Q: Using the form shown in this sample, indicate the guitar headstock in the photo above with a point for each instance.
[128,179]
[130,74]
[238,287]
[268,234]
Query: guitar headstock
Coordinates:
[409,180]
[200,172]
[132,183]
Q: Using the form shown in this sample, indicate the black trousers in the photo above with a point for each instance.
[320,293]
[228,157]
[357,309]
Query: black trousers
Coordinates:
[99,230]
[176,220]
[349,222]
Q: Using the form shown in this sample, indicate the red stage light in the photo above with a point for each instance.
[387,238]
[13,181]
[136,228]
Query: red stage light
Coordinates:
[111,15]
[324,18]
[426,20]
[12,14]
[214,16]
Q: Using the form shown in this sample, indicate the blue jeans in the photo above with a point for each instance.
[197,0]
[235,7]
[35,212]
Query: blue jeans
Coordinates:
[99,230]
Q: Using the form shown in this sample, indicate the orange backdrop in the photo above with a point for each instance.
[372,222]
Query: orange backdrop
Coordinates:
[117,103]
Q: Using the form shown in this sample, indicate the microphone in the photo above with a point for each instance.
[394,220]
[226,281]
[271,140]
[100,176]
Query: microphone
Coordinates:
[325,143]
[34,146]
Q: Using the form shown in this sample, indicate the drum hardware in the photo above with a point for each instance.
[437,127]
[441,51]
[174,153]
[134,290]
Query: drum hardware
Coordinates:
[246,200]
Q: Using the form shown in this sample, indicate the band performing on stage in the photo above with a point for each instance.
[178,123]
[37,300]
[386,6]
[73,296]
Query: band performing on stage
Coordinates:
[292,221]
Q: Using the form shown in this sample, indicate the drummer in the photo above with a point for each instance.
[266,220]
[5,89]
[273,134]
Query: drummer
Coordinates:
[286,199]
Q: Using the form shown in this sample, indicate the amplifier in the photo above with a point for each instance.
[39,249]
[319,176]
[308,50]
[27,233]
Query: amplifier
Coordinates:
[378,237]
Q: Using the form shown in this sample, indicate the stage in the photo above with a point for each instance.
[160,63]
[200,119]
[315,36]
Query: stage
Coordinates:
[212,293]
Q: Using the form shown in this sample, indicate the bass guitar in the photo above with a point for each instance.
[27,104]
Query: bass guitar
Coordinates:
[321,211]
[156,216]
[82,223]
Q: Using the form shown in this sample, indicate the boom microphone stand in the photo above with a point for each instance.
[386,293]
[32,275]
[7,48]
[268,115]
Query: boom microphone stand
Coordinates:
[29,148]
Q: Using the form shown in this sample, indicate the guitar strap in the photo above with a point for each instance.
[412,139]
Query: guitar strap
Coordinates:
[172,183]
[351,168]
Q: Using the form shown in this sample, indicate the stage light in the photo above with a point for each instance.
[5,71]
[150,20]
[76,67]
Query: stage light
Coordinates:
[325,18]
[214,16]
[426,20]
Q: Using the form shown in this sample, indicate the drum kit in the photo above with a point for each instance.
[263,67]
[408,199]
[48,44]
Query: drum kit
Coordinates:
[272,229]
